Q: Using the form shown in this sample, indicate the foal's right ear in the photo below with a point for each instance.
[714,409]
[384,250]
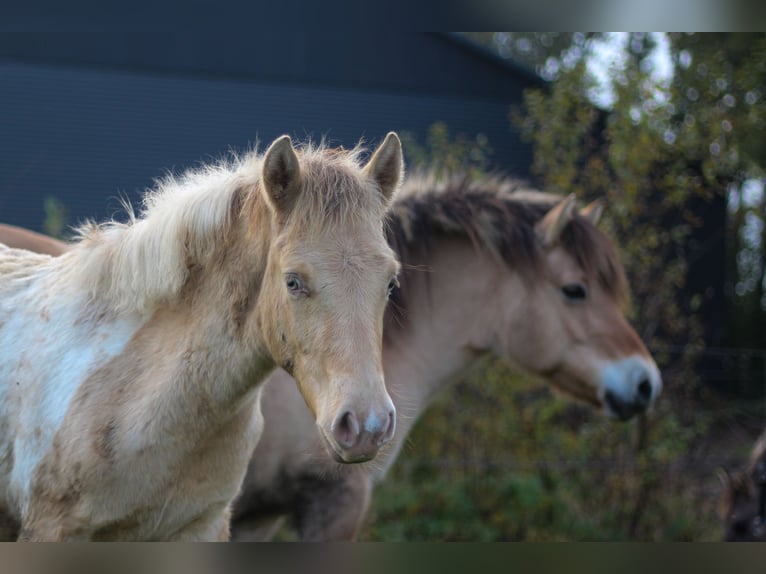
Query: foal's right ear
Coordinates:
[385,167]
[281,175]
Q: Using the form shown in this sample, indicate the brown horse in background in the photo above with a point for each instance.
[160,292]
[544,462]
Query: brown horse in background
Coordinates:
[20,238]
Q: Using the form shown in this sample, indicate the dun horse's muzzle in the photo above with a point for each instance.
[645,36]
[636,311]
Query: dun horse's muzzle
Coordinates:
[630,386]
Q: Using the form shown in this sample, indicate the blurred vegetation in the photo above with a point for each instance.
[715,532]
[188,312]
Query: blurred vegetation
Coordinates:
[445,153]
[56,215]
[500,458]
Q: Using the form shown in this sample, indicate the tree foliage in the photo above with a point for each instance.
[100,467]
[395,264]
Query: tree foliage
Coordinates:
[720,113]
[444,153]
[668,147]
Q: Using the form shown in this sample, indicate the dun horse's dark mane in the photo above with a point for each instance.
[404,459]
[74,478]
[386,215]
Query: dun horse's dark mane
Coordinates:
[498,215]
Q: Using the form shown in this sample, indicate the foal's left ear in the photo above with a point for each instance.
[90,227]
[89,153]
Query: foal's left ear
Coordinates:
[592,212]
[281,175]
[385,166]
[549,228]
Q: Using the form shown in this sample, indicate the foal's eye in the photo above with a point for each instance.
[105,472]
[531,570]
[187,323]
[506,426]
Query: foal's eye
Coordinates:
[294,284]
[574,291]
[393,284]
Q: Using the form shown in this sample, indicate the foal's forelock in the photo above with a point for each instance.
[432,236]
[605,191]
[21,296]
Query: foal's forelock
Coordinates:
[335,194]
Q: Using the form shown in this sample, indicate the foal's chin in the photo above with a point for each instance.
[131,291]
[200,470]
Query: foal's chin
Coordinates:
[339,455]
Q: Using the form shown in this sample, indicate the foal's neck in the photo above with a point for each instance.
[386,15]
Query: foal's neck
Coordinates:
[229,291]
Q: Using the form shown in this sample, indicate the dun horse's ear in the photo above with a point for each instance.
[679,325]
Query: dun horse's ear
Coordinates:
[549,228]
[592,212]
[281,175]
[386,164]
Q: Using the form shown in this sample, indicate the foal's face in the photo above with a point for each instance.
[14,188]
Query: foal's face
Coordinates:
[575,335]
[327,283]
[334,290]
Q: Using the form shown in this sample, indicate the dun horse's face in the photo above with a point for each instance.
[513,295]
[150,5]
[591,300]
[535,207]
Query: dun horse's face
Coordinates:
[329,285]
[576,336]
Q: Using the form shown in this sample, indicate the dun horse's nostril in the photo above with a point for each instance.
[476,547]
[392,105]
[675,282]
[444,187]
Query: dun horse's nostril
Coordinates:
[644,391]
[346,429]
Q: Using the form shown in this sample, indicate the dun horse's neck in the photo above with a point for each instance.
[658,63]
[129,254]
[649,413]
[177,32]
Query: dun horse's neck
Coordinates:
[450,321]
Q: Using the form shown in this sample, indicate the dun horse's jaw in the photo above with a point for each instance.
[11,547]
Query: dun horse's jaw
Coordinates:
[629,386]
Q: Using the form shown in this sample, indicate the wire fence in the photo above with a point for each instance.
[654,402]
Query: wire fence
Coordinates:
[737,371]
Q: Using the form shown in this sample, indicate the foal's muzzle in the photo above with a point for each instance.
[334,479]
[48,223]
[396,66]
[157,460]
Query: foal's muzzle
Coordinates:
[357,437]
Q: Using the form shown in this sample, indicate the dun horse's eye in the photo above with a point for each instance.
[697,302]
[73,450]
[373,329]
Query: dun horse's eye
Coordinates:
[294,284]
[574,291]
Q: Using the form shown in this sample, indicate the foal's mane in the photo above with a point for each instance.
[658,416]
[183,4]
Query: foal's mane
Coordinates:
[498,215]
[187,218]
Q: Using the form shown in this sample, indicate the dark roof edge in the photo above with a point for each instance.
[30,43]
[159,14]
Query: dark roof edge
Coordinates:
[509,66]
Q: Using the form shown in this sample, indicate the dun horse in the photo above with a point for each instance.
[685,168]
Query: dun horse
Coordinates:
[130,366]
[485,271]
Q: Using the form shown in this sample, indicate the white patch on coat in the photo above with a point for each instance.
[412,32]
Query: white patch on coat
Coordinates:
[43,338]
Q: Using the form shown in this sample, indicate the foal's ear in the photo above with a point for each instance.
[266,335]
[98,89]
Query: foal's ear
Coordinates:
[549,228]
[281,175]
[592,212]
[385,166]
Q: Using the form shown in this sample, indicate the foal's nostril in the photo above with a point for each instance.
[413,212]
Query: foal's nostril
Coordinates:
[387,432]
[644,392]
[345,429]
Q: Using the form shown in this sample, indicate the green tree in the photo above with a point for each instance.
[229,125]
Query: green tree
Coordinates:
[444,153]
[720,113]
[56,215]
[694,139]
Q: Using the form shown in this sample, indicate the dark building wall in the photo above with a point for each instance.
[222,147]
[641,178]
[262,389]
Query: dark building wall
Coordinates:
[90,120]
[430,63]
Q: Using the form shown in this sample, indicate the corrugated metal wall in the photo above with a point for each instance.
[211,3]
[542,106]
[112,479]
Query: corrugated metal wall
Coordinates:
[87,136]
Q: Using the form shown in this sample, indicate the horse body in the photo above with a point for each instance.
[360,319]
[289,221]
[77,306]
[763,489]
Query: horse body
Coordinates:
[131,365]
[21,238]
[518,275]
